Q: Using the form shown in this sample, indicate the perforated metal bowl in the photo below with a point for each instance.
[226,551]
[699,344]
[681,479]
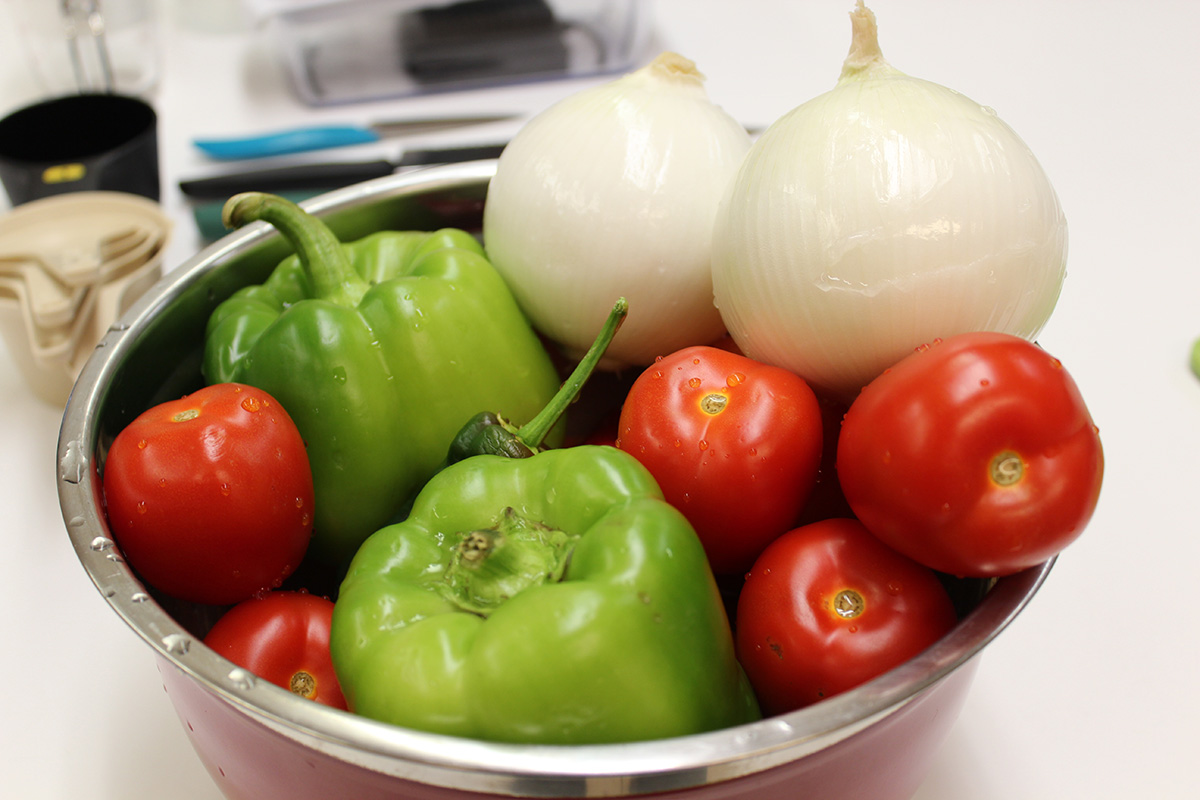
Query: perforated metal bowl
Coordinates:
[261,742]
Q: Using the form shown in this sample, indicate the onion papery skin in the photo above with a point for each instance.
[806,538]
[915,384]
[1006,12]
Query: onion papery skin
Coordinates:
[879,216]
[613,192]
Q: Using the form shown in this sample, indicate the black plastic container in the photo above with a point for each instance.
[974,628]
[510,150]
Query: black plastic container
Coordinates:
[80,142]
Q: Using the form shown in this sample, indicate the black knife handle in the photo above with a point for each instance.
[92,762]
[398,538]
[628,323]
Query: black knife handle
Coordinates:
[450,155]
[291,178]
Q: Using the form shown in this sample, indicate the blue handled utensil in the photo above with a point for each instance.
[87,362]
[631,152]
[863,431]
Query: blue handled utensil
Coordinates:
[320,137]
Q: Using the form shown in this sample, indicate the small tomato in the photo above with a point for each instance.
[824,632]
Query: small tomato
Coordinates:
[733,443]
[210,497]
[827,607]
[975,455]
[282,637]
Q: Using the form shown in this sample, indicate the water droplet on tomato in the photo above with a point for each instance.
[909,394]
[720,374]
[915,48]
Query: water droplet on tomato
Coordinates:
[984,382]
[894,588]
[694,383]
[142,444]
[656,374]
[678,443]
[736,379]
[141,507]
[703,444]
[225,490]
[251,404]
[299,502]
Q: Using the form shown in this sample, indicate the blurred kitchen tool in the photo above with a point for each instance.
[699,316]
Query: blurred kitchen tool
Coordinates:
[320,137]
[59,47]
[83,142]
[87,45]
[329,175]
[69,267]
[340,51]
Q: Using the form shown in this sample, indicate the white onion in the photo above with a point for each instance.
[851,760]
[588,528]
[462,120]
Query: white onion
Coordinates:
[878,216]
[612,192]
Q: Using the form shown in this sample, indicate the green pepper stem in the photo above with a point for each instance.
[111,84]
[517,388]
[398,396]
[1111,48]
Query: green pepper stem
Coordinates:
[533,432]
[489,567]
[320,253]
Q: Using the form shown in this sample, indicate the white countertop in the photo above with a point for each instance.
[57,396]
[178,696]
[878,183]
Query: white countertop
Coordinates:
[1091,693]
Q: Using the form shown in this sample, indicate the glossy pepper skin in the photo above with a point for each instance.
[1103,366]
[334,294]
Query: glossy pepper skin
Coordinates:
[554,599]
[381,349]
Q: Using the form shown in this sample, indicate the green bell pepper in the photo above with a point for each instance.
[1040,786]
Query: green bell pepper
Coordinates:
[380,350]
[552,599]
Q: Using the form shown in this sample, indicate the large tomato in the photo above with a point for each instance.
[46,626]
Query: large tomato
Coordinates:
[210,497]
[827,607]
[733,443]
[975,456]
[282,637]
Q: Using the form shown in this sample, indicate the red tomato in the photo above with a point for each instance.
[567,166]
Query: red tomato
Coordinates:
[828,607]
[282,637]
[210,497]
[733,443]
[975,456]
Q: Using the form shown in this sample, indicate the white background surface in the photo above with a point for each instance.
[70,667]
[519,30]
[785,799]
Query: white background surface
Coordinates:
[1092,693]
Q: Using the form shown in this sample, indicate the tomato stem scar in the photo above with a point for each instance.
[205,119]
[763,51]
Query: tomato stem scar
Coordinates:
[848,604]
[303,684]
[713,403]
[1006,468]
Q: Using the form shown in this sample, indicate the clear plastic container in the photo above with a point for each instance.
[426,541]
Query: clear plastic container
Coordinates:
[339,51]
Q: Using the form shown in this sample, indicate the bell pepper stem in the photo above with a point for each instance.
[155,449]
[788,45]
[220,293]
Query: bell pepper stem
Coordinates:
[489,567]
[535,431]
[319,251]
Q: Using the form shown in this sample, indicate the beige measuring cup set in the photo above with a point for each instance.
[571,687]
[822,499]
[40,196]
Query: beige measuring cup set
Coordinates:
[70,266]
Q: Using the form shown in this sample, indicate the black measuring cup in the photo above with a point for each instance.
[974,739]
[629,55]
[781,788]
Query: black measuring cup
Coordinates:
[80,142]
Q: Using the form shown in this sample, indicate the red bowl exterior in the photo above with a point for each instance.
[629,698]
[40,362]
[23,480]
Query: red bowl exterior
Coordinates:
[250,761]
